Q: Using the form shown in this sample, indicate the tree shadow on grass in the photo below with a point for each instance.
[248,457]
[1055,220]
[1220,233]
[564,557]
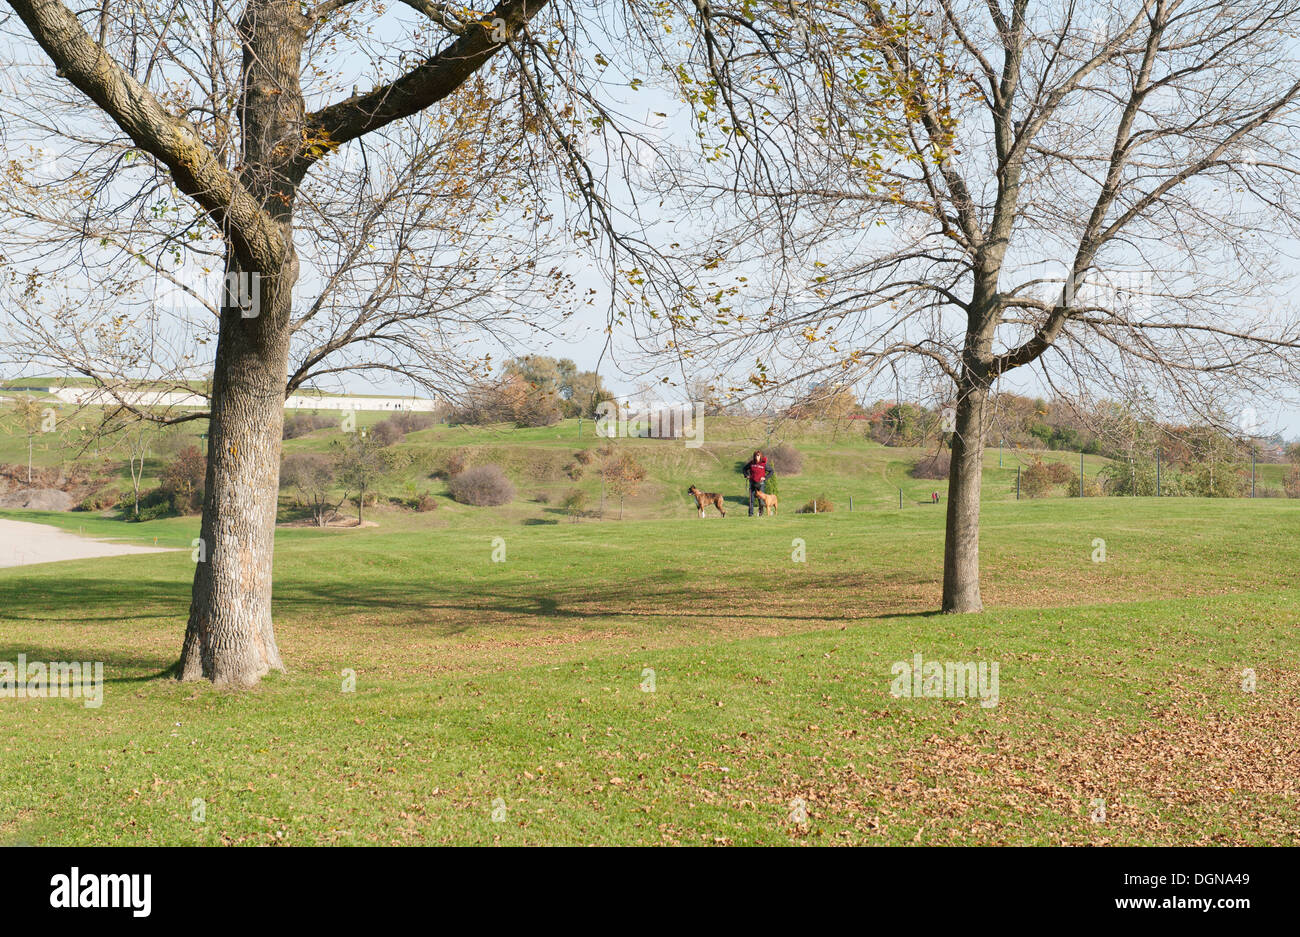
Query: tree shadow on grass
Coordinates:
[690,597]
[453,611]
[67,600]
[112,661]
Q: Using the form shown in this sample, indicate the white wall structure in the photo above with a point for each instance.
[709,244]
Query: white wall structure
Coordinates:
[89,396]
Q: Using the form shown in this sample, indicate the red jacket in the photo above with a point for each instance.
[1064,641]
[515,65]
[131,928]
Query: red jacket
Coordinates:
[756,471]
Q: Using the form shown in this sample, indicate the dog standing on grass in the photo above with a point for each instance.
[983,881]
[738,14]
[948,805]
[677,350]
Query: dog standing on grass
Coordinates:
[706,497]
[766,501]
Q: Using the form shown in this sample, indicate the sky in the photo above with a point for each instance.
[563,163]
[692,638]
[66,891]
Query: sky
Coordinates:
[583,337]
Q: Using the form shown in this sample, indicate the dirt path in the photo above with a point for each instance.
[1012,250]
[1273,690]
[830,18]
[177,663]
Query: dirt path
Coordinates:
[22,544]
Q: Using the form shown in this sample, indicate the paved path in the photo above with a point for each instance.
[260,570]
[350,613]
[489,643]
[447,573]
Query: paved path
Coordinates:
[22,544]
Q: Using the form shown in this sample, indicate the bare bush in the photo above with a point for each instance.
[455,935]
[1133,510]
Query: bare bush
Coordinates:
[1059,472]
[1036,480]
[409,421]
[482,486]
[785,459]
[313,476]
[386,433]
[819,505]
[301,424]
[935,465]
[183,479]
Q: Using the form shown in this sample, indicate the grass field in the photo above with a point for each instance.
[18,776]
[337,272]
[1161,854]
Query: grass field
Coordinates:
[679,681]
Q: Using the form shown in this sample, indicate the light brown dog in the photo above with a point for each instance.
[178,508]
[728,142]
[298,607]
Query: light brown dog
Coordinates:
[768,501]
[706,497]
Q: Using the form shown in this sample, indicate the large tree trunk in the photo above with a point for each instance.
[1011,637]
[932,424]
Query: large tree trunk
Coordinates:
[230,639]
[961,552]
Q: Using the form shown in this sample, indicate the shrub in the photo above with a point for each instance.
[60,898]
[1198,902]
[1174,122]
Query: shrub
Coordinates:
[301,424]
[452,463]
[1036,480]
[409,421]
[819,505]
[1139,478]
[1059,472]
[574,502]
[312,474]
[574,470]
[1091,489]
[1292,483]
[1218,481]
[425,503]
[785,459]
[482,486]
[386,433]
[153,505]
[98,501]
[933,466]
[183,479]
[542,497]
[583,457]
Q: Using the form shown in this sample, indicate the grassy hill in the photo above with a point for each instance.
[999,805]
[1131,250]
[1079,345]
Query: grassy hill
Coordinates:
[839,463]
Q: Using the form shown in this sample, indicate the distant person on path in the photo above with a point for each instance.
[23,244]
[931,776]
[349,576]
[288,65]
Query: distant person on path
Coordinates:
[756,472]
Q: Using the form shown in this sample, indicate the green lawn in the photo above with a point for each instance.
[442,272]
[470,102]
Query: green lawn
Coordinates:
[513,702]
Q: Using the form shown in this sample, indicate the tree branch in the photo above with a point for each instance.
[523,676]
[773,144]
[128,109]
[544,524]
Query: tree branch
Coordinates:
[172,141]
[428,83]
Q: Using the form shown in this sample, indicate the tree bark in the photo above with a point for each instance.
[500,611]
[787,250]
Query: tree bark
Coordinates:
[961,541]
[961,552]
[229,638]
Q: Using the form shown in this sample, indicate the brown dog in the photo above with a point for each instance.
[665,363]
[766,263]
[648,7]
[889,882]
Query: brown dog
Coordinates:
[768,501]
[706,497]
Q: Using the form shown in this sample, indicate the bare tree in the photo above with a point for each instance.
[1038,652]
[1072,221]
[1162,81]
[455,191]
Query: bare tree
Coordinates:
[313,474]
[163,83]
[1097,190]
[624,475]
[361,460]
[27,410]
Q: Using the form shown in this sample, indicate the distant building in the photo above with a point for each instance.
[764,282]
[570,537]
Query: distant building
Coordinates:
[91,396]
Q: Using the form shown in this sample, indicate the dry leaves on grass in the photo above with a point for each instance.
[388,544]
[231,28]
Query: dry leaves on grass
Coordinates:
[1193,774]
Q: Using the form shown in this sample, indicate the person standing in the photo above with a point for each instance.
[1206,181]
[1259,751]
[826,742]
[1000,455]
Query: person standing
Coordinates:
[756,472]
